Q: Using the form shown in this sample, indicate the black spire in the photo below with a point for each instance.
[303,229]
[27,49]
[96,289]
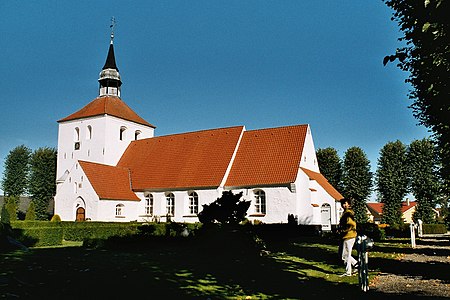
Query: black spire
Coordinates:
[110,59]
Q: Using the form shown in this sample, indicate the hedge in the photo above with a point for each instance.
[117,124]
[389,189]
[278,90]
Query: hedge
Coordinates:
[38,233]
[434,228]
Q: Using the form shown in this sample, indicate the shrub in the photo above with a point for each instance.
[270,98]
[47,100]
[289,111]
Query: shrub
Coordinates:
[434,228]
[31,212]
[372,230]
[228,209]
[56,218]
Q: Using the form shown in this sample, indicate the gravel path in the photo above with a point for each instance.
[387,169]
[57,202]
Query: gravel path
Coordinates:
[423,272]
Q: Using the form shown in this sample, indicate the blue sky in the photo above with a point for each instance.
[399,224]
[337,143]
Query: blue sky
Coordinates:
[192,65]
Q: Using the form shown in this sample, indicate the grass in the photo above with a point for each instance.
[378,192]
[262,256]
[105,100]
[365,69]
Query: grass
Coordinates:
[220,268]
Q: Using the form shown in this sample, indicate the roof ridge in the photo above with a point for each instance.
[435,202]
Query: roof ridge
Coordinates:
[278,127]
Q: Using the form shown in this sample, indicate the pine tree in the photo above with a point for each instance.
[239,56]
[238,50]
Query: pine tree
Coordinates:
[31,212]
[392,181]
[357,181]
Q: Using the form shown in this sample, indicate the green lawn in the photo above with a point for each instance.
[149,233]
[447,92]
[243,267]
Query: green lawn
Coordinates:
[294,268]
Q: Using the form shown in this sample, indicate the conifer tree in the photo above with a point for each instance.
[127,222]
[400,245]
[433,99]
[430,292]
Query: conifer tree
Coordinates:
[15,174]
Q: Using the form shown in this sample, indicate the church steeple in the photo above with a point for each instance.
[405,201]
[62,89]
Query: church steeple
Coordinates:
[109,78]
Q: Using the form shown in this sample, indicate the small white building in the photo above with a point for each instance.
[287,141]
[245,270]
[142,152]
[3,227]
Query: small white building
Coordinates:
[112,168]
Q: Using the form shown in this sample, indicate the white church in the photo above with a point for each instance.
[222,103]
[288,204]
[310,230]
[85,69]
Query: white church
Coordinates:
[111,167]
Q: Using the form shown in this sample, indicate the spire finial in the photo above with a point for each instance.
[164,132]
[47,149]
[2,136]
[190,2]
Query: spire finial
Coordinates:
[112,27]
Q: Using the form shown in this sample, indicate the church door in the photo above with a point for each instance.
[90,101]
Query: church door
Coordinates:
[80,214]
[325,212]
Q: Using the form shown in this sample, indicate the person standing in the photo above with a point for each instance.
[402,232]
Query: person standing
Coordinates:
[347,226]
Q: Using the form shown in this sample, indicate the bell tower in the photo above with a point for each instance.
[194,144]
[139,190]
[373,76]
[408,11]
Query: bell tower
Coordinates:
[109,78]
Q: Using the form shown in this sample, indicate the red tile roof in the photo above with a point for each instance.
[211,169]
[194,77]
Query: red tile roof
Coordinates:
[107,105]
[378,207]
[323,182]
[189,160]
[109,182]
[268,157]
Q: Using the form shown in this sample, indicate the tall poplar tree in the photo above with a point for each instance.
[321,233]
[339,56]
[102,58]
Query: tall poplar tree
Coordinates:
[16,171]
[357,181]
[424,181]
[42,185]
[330,166]
[392,181]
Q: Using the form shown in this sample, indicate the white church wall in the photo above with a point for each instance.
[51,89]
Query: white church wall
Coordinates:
[304,209]
[76,191]
[117,141]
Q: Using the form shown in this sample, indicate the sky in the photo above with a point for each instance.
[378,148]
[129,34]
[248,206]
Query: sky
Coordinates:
[194,65]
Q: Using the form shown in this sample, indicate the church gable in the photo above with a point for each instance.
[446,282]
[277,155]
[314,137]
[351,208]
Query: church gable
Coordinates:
[189,160]
[109,183]
[268,157]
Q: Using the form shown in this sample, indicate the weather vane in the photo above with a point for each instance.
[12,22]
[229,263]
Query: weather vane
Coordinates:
[112,26]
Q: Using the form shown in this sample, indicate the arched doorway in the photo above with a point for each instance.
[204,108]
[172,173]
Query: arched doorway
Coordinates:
[81,214]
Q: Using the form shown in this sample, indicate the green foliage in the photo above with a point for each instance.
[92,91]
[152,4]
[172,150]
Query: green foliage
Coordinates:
[424,180]
[371,230]
[11,204]
[330,166]
[55,218]
[80,231]
[31,212]
[357,181]
[42,180]
[426,56]
[15,174]
[392,181]
[4,215]
[434,228]
[38,233]
[228,209]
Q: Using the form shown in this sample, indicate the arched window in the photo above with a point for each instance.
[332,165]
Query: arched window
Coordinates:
[76,138]
[193,203]
[260,202]
[137,133]
[122,133]
[119,210]
[76,135]
[148,205]
[170,204]
[89,132]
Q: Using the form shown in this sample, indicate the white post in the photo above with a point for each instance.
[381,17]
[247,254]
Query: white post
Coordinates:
[419,230]
[413,235]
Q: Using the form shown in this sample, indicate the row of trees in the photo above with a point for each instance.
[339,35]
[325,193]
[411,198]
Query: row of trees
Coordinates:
[29,173]
[401,169]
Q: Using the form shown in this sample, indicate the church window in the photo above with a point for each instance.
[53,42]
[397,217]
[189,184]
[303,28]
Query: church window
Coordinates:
[89,132]
[170,204]
[193,203]
[149,205]
[137,133]
[119,210]
[122,133]
[76,138]
[260,202]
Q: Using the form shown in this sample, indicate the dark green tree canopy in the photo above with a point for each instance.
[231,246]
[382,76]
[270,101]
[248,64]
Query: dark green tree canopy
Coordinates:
[426,57]
[424,181]
[330,166]
[357,181]
[228,209]
[15,174]
[42,179]
[392,181]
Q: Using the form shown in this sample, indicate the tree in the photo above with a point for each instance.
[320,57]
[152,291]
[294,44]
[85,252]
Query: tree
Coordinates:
[42,185]
[392,181]
[31,212]
[424,181]
[357,181]
[15,174]
[330,166]
[426,56]
[11,205]
[228,209]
